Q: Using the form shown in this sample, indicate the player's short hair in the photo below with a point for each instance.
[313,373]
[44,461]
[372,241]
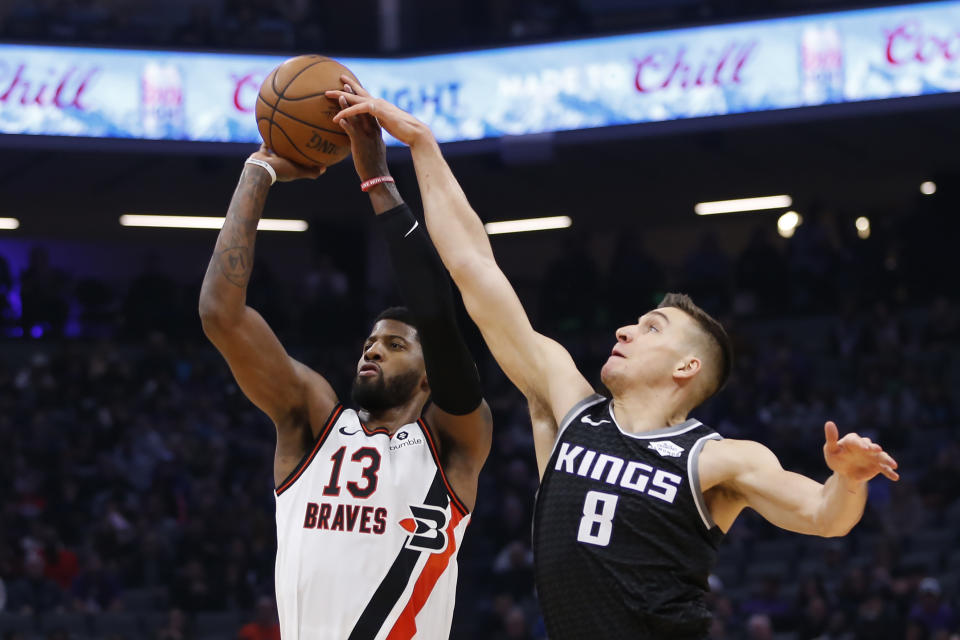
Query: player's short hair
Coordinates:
[717,338]
[400,314]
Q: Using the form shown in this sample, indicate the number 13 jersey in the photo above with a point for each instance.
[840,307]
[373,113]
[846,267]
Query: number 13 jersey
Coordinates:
[623,540]
[368,531]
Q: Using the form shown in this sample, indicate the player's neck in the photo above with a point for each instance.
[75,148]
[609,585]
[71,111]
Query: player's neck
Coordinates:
[646,410]
[393,418]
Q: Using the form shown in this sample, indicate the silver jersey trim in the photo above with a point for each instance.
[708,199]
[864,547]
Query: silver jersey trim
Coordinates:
[676,429]
[693,474]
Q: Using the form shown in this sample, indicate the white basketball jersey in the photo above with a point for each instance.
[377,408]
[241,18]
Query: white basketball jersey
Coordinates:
[368,530]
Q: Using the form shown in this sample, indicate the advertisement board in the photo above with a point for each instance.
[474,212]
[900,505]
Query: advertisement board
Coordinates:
[812,60]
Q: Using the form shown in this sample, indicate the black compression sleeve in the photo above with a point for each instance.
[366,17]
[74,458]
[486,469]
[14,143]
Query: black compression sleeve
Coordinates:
[425,286]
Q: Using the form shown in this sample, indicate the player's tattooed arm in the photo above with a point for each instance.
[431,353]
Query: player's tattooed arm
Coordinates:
[283,388]
[232,261]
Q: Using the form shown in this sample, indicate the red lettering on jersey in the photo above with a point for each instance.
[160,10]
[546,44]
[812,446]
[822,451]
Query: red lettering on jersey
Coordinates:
[380,520]
[365,519]
[322,520]
[310,520]
[352,513]
[337,519]
[348,517]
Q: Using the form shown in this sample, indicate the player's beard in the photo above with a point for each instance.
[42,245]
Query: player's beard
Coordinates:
[380,394]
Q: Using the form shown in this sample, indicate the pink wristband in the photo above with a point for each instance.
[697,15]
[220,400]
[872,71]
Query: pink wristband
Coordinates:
[372,182]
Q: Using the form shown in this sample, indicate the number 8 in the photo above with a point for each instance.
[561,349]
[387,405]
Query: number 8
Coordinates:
[596,525]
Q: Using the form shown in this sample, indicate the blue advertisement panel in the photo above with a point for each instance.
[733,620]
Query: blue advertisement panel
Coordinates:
[716,70]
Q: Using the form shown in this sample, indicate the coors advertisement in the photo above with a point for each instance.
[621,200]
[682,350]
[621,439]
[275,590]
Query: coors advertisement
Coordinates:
[805,61]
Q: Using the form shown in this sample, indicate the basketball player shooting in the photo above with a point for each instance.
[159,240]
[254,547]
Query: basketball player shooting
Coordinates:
[635,495]
[372,502]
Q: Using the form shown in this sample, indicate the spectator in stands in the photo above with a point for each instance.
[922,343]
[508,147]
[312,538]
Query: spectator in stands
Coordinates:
[176,627]
[569,288]
[265,626]
[759,627]
[707,275]
[97,587]
[929,609]
[634,279]
[43,295]
[34,593]
[877,618]
[761,275]
[6,285]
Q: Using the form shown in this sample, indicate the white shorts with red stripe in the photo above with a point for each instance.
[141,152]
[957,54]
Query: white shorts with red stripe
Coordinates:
[368,530]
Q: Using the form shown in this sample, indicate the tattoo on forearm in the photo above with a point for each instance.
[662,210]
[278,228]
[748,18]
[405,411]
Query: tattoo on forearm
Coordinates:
[235,264]
[234,253]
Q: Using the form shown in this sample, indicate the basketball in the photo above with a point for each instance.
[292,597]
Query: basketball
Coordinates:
[294,116]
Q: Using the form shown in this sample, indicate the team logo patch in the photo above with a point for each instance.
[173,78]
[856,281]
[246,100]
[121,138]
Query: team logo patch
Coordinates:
[590,422]
[666,448]
[426,529]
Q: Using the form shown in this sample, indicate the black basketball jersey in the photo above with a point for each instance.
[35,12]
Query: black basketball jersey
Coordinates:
[623,540]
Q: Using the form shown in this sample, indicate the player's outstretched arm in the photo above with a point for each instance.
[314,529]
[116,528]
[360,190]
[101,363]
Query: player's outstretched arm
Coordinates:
[792,501]
[289,392]
[538,366]
[457,410]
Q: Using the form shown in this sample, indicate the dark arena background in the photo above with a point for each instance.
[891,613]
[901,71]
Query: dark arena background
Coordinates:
[136,479]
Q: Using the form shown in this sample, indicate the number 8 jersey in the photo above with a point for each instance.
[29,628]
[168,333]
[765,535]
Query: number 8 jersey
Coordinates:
[368,531]
[623,540]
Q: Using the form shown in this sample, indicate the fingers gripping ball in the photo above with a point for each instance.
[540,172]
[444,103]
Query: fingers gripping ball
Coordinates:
[295,117]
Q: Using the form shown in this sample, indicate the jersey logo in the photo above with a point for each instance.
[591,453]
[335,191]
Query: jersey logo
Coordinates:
[666,448]
[404,440]
[590,422]
[344,431]
[426,525]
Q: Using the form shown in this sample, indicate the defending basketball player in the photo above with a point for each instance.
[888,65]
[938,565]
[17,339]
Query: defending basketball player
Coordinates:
[635,496]
[372,501]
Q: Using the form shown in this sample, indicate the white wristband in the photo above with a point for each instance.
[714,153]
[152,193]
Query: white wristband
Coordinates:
[265,165]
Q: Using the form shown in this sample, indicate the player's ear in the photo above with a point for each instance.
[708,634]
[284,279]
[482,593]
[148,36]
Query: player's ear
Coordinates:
[687,368]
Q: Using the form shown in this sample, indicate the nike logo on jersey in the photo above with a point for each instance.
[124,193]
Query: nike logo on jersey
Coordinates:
[666,448]
[344,431]
[416,223]
[632,475]
[590,422]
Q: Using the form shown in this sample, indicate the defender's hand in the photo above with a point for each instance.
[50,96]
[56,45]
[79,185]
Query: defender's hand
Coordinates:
[287,170]
[366,138]
[401,125]
[856,458]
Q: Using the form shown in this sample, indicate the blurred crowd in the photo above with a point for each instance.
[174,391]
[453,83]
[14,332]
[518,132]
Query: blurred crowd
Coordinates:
[324,25]
[138,478]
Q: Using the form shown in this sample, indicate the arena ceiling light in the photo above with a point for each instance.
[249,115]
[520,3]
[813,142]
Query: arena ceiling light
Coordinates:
[787,223]
[928,187]
[527,224]
[206,222]
[9,223]
[743,204]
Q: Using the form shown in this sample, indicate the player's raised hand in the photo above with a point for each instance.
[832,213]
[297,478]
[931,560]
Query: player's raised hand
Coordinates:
[400,124]
[855,457]
[287,170]
[366,138]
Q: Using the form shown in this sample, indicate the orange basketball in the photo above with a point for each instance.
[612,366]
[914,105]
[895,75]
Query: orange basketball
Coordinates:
[294,116]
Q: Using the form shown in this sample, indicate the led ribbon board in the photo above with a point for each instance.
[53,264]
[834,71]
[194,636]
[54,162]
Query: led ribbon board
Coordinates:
[686,73]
